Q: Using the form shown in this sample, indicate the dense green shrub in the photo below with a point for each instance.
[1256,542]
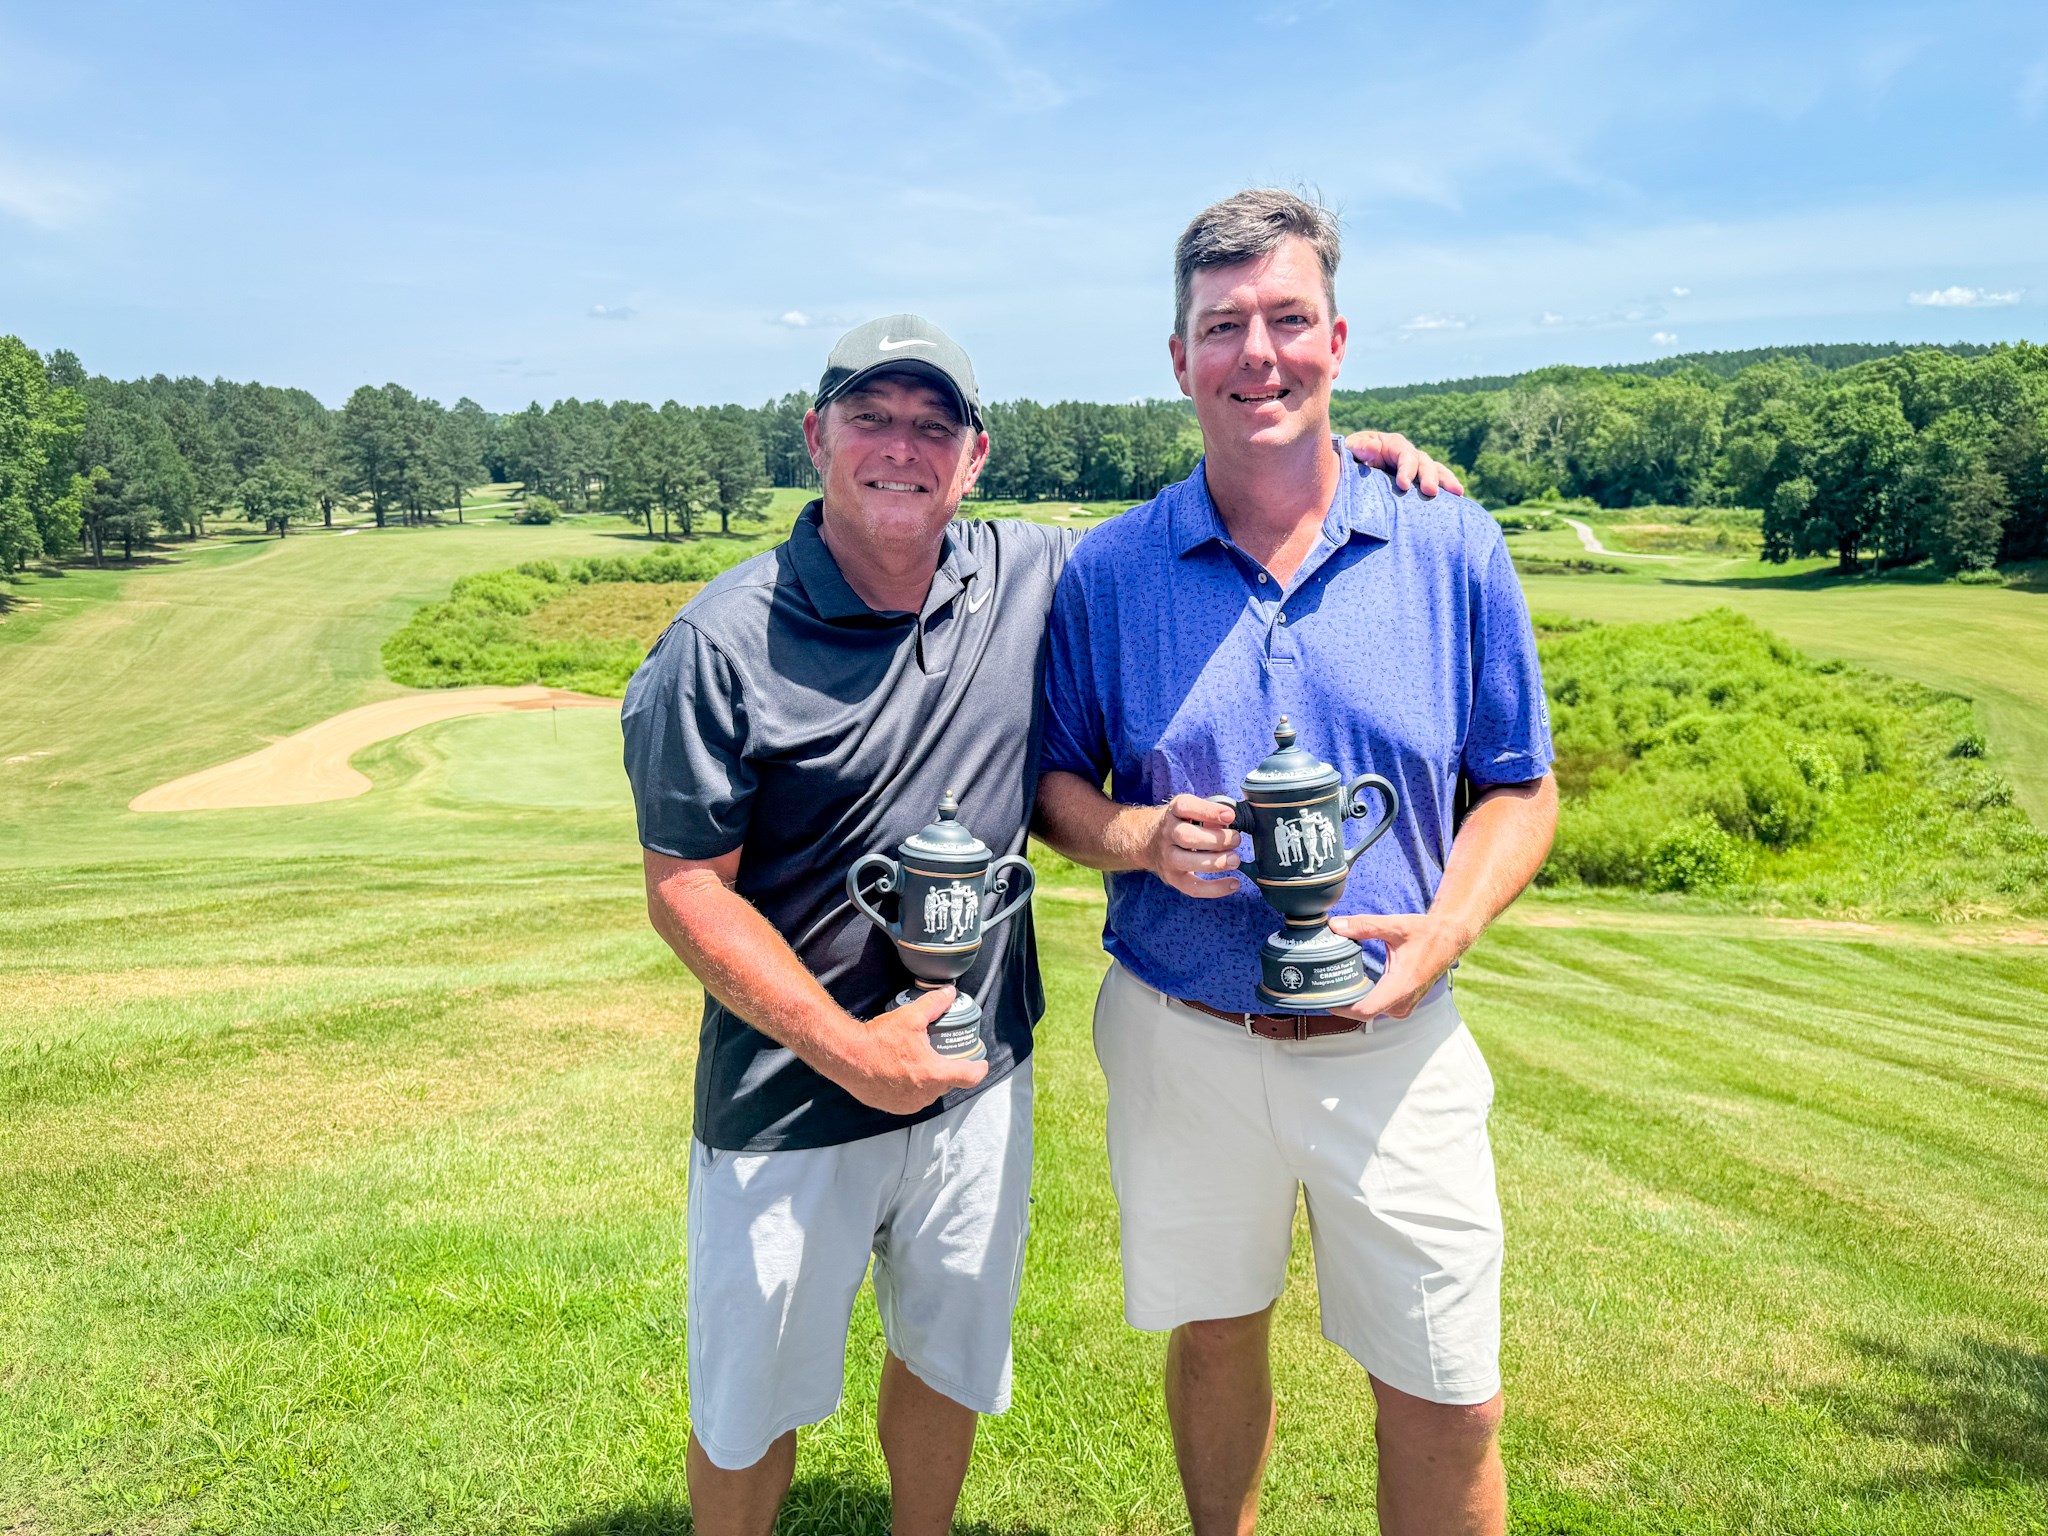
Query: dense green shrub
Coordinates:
[1528,520]
[1709,755]
[1696,855]
[1540,565]
[539,510]
[478,635]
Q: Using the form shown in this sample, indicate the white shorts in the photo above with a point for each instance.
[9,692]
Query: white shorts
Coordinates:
[1211,1130]
[779,1243]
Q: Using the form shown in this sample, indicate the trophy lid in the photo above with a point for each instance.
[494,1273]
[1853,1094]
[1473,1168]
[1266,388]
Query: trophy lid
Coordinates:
[946,838]
[1289,768]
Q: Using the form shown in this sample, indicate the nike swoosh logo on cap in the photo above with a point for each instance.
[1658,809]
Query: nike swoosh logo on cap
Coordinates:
[887,345]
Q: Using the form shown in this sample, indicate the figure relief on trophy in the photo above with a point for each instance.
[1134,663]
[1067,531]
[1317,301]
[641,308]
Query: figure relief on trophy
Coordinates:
[1293,809]
[951,912]
[945,880]
[1306,842]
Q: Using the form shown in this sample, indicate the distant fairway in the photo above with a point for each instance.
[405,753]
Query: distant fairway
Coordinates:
[344,1144]
[204,660]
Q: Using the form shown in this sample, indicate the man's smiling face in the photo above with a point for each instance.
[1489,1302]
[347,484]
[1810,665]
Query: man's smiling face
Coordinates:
[894,458]
[1262,349]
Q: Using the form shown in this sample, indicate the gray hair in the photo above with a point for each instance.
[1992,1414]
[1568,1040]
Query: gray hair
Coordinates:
[1245,227]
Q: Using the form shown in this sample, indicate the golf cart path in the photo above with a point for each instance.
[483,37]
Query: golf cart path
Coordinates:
[1591,541]
[313,765]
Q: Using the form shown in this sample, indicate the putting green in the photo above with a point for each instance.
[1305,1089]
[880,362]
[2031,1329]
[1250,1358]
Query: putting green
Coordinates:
[566,759]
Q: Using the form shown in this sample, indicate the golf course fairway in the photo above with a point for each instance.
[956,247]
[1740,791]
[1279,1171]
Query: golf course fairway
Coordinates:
[343,1143]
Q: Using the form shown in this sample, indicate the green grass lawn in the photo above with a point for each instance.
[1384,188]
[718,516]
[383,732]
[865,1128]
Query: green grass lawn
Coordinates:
[342,1146]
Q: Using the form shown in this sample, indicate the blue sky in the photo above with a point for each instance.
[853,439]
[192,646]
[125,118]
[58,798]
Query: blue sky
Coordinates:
[653,200]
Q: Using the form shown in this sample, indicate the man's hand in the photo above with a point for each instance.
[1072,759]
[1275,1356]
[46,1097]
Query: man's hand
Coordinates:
[1420,948]
[1408,464]
[1192,837]
[890,1064]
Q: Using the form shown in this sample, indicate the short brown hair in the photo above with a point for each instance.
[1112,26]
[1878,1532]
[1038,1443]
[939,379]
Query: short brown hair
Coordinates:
[1245,227]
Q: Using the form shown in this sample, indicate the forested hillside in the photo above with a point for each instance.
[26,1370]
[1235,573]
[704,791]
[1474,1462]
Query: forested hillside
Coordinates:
[1822,354]
[1859,452]
[1922,453]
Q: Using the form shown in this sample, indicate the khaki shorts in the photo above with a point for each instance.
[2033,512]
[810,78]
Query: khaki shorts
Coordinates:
[1212,1131]
[780,1241]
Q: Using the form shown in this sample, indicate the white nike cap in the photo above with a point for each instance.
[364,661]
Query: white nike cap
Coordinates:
[901,344]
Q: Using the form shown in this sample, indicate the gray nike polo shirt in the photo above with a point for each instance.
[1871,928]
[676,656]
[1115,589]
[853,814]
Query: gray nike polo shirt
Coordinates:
[779,713]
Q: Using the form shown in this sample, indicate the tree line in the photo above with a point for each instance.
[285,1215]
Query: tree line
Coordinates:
[1935,453]
[1896,456]
[89,463]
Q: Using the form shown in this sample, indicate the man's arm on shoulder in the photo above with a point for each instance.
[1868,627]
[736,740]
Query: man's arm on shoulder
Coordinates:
[1408,464]
[886,1062]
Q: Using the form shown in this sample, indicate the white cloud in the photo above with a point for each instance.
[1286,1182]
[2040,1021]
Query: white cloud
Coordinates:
[1681,293]
[612,312]
[2034,88]
[795,319]
[45,197]
[1663,338]
[926,44]
[1966,298]
[1644,313]
[1436,323]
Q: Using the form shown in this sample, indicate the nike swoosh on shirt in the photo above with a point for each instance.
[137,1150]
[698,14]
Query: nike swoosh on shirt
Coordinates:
[979,596]
[887,345]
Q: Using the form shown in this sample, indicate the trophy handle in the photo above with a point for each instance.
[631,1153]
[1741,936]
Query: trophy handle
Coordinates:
[997,883]
[1353,809]
[891,878]
[1241,818]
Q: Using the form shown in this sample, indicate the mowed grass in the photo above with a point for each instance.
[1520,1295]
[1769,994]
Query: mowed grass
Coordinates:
[345,1195]
[166,669]
[342,1154]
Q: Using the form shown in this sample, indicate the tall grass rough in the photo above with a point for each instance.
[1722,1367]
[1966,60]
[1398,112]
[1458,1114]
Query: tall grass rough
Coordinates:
[479,634]
[1708,754]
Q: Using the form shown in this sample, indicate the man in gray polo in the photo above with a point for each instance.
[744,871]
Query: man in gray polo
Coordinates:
[811,705]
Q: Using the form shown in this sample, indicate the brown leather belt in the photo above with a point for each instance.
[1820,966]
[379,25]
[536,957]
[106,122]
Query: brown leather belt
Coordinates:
[1278,1026]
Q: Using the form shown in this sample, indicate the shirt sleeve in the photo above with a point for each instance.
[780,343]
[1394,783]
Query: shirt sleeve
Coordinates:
[686,727]
[1076,738]
[1507,740]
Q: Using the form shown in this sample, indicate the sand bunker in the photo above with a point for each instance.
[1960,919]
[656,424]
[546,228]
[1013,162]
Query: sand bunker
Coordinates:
[313,764]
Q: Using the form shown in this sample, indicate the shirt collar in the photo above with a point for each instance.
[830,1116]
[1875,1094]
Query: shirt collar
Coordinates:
[835,600]
[1364,503]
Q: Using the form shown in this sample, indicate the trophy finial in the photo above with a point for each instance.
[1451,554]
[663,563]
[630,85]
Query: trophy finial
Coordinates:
[1283,734]
[949,808]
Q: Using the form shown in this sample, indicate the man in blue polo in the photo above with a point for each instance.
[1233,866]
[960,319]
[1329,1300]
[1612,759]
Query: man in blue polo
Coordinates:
[1281,578]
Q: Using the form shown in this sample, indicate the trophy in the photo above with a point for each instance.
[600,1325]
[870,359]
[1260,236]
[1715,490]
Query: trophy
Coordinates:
[1294,808]
[945,885]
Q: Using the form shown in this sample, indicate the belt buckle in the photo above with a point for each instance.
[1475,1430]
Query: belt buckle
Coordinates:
[1245,1022]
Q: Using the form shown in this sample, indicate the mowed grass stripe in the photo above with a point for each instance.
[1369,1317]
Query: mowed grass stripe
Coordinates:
[350,1276]
[1728,1092]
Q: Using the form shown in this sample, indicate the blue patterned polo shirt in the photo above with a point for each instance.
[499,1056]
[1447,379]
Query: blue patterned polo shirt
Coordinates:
[1401,647]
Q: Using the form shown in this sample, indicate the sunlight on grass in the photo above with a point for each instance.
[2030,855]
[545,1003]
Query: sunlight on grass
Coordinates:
[344,1144]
